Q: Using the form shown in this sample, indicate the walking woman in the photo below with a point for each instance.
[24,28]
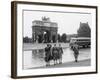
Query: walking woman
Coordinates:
[55,54]
[48,54]
[60,52]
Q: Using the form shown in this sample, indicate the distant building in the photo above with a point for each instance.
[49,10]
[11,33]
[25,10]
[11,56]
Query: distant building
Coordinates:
[84,30]
[44,30]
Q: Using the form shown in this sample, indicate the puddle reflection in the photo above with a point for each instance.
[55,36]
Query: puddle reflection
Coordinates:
[35,58]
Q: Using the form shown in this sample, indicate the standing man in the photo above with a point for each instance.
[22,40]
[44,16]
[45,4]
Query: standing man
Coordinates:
[60,52]
[76,52]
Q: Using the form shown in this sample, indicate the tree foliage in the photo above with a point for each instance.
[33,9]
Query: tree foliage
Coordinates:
[64,38]
[27,40]
[59,38]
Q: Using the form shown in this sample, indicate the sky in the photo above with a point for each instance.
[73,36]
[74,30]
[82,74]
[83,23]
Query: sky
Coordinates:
[67,22]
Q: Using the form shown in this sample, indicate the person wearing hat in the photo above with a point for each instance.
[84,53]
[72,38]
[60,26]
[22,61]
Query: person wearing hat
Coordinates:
[47,54]
[60,52]
[76,52]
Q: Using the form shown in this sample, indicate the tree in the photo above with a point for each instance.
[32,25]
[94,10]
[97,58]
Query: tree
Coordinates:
[84,30]
[64,38]
[54,38]
[27,40]
[59,38]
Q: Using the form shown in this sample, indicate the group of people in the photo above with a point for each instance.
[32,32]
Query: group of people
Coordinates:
[53,53]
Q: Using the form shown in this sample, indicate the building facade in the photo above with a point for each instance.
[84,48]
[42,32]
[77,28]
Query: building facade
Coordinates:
[44,31]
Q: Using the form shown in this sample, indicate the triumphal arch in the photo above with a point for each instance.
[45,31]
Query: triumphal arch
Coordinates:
[44,30]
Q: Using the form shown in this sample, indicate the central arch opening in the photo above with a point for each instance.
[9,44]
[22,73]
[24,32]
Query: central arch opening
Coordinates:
[47,35]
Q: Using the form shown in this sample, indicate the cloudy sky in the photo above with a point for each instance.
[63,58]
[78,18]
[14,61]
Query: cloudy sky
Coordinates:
[67,22]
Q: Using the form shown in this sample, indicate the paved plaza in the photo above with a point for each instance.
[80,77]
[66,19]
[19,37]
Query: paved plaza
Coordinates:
[35,59]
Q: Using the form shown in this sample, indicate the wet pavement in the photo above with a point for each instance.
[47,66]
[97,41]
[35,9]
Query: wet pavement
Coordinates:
[35,58]
[81,63]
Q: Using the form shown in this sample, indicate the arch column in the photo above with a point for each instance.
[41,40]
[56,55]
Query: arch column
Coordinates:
[50,37]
